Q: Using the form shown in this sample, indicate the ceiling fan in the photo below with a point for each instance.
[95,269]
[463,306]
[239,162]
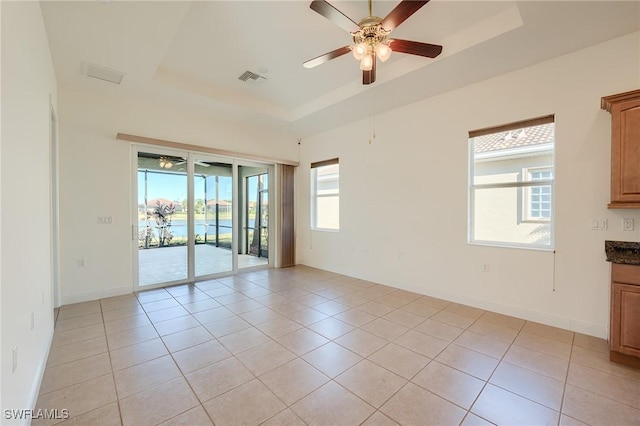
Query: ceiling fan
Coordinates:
[371,37]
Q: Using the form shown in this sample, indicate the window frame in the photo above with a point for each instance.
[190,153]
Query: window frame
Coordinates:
[522,185]
[315,196]
[526,199]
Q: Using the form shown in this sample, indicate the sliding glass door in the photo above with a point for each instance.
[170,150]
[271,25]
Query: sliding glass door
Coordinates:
[188,226]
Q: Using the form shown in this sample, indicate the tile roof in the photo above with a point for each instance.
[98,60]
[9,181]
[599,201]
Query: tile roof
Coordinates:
[528,136]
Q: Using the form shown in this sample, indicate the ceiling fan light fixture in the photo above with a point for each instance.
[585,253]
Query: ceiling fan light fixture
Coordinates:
[383,51]
[359,51]
[165,162]
[366,64]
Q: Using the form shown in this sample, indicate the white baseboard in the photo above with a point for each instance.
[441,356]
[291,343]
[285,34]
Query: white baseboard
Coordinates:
[95,295]
[35,387]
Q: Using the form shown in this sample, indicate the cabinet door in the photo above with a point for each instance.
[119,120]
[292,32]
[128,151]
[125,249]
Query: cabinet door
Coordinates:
[625,319]
[625,152]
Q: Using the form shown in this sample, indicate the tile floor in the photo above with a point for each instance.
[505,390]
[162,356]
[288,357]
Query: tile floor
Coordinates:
[305,346]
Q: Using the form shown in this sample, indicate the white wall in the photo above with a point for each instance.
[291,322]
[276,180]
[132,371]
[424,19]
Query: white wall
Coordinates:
[418,164]
[95,177]
[28,81]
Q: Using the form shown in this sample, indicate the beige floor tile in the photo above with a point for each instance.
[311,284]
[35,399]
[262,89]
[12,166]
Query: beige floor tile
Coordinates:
[495,348]
[109,415]
[118,302]
[332,359]
[454,319]
[502,407]
[413,405]
[125,324]
[244,306]
[352,300]
[312,299]
[376,308]
[225,326]
[82,397]
[78,322]
[421,343]
[278,327]
[159,305]
[79,309]
[75,351]
[449,383]
[420,309]
[211,315]
[440,330]
[374,384]
[538,362]
[402,361]
[433,301]
[570,421]
[147,296]
[386,329]
[473,420]
[197,416]
[356,317]
[495,331]
[590,342]
[467,311]
[526,383]
[307,316]
[600,361]
[293,380]
[265,357]
[260,315]
[284,418]
[404,318]
[379,419]
[332,405]
[232,298]
[548,332]
[185,339]
[249,404]
[74,372]
[77,335]
[331,307]
[545,345]
[199,356]
[158,403]
[218,378]
[123,312]
[167,314]
[131,337]
[201,305]
[143,376]
[621,389]
[302,341]
[242,340]
[502,320]
[175,325]
[197,296]
[138,353]
[361,342]
[331,328]
[594,409]
[468,361]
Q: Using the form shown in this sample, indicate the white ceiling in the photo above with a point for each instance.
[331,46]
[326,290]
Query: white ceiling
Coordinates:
[192,53]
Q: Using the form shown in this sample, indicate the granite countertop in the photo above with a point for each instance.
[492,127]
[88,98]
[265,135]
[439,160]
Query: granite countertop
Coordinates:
[622,252]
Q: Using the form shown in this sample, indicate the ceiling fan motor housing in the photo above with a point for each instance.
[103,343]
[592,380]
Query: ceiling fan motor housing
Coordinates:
[370,32]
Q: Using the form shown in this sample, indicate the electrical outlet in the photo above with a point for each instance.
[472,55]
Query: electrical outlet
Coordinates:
[598,224]
[485,267]
[15,359]
[627,224]
[105,220]
[82,262]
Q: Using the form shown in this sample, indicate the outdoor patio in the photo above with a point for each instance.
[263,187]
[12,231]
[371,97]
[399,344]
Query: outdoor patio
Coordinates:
[166,264]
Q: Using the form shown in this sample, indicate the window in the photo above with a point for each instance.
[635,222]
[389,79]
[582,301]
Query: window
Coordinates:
[511,184]
[325,195]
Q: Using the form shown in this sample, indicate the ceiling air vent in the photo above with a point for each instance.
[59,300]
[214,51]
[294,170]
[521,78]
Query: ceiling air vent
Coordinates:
[106,74]
[251,77]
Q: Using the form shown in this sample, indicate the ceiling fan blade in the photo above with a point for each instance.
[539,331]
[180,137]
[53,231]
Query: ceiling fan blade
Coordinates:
[334,15]
[369,77]
[415,48]
[401,12]
[326,57]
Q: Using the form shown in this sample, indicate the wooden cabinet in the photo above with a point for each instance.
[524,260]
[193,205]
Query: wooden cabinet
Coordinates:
[625,149]
[625,314]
